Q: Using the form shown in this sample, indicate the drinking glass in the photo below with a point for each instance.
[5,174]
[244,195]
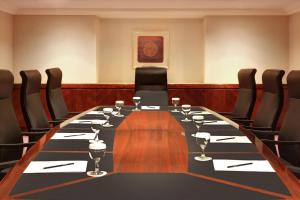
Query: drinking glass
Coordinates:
[202,139]
[106,113]
[96,129]
[186,109]
[97,152]
[198,121]
[136,101]
[175,102]
[119,104]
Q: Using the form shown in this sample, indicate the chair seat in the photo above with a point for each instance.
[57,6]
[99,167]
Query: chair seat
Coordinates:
[153,98]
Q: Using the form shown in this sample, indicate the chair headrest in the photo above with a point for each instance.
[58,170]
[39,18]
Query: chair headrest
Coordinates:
[54,78]
[31,79]
[293,82]
[247,78]
[6,84]
[272,80]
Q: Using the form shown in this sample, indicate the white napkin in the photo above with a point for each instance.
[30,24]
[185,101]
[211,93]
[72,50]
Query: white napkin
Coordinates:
[229,139]
[88,121]
[73,136]
[95,112]
[212,122]
[199,113]
[256,166]
[38,166]
[150,107]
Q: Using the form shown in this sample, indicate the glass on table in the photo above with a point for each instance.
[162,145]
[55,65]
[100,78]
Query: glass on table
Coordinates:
[119,104]
[198,121]
[136,101]
[106,113]
[175,102]
[202,139]
[186,108]
[97,153]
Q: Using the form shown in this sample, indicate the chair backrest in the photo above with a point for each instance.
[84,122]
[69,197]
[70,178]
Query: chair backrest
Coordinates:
[32,107]
[151,78]
[290,130]
[54,96]
[272,99]
[10,131]
[246,95]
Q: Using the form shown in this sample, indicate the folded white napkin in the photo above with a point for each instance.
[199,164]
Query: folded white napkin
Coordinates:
[150,107]
[229,139]
[244,165]
[88,121]
[61,166]
[73,136]
[213,122]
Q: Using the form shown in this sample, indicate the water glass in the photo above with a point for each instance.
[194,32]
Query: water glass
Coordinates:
[175,102]
[106,113]
[136,101]
[198,121]
[119,104]
[202,139]
[97,153]
[186,110]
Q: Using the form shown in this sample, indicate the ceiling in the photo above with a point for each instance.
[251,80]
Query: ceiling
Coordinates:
[150,8]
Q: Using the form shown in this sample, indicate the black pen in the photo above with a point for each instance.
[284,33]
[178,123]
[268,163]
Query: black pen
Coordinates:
[62,165]
[74,135]
[229,138]
[239,165]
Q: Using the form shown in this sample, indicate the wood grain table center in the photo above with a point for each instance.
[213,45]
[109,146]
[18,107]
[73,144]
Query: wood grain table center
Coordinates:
[150,142]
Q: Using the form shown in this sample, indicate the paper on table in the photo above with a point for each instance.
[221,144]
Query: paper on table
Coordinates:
[73,136]
[199,113]
[256,166]
[38,166]
[150,107]
[95,112]
[212,122]
[229,139]
[88,121]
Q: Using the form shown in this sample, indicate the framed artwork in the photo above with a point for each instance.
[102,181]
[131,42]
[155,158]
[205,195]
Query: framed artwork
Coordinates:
[150,49]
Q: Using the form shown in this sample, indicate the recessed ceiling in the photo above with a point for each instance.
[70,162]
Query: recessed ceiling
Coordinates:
[151,8]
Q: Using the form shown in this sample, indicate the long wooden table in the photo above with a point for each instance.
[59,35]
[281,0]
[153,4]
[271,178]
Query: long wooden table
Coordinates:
[150,155]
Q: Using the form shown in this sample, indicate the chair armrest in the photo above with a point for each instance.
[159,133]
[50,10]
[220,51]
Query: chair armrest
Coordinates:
[259,128]
[14,145]
[33,133]
[264,133]
[225,113]
[281,142]
[39,129]
[7,164]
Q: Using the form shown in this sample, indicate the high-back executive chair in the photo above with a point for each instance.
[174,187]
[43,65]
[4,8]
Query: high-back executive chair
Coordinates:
[152,86]
[11,140]
[246,95]
[55,100]
[289,135]
[271,102]
[32,107]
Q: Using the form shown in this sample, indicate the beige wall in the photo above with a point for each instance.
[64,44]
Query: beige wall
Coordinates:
[68,42]
[6,41]
[185,51]
[295,42]
[234,42]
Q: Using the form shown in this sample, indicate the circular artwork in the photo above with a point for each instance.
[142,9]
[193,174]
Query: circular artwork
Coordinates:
[150,49]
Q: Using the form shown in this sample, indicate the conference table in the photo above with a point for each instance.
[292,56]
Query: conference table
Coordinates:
[150,155]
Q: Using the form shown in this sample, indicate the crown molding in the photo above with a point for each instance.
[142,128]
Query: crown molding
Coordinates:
[292,8]
[4,7]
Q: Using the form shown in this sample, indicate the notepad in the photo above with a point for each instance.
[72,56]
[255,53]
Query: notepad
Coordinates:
[95,112]
[199,113]
[229,139]
[88,121]
[242,165]
[212,122]
[150,107]
[38,166]
[73,136]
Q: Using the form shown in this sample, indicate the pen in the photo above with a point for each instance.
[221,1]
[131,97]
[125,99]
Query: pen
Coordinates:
[229,138]
[62,165]
[239,165]
[74,135]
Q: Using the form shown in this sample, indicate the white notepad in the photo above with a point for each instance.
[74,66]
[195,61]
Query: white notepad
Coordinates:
[95,112]
[73,136]
[150,107]
[199,113]
[229,139]
[256,166]
[212,122]
[88,121]
[38,166]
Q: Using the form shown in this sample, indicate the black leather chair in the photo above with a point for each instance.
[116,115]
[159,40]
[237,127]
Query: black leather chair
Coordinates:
[55,100]
[11,140]
[152,86]
[32,107]
[289,135]
[271,103]
[246,95]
